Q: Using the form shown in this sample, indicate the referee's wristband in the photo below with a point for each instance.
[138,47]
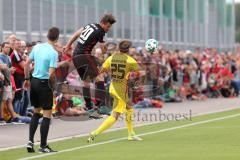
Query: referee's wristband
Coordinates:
[26,79]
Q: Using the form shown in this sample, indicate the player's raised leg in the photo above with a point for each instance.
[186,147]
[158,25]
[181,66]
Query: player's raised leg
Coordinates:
[104,126]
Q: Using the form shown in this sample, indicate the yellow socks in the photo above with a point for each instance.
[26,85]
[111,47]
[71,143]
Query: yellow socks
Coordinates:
[129,121]
[105,125]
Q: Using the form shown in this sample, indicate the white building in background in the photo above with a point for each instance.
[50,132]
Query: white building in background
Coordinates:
[177,24]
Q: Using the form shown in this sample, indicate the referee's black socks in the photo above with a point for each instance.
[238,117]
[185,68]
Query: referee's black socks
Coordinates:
[33,126]
[44,131]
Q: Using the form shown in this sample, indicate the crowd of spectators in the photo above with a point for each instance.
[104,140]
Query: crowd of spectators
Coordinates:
[170,76]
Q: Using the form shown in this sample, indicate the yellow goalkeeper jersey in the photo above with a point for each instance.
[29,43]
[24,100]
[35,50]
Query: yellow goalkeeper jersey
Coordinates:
[120,65]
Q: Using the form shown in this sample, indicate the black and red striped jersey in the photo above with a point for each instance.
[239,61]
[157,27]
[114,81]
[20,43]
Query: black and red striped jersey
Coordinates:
[91,34]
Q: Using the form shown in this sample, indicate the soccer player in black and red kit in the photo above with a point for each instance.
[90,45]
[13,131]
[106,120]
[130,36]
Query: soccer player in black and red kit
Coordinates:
[87,37]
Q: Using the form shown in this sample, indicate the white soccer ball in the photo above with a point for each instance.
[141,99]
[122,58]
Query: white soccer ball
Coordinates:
[151,45]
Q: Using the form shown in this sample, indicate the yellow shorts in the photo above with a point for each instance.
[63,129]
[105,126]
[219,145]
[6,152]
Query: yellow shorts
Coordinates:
[120,101]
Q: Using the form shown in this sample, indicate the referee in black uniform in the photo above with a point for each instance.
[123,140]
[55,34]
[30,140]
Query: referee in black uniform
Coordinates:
[84,62]
[45,59]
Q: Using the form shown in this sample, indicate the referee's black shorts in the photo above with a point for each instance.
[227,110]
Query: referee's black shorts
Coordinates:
[41,95]
[86,65]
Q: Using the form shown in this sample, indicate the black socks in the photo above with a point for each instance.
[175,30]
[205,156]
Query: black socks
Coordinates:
[87,97]
[33,126]
[100,93]
[44,131]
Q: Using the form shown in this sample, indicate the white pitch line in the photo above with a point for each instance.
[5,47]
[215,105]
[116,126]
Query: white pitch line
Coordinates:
[123,138]
[113,129]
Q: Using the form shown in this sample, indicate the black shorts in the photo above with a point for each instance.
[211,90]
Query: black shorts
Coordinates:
[41,95]
[86,65]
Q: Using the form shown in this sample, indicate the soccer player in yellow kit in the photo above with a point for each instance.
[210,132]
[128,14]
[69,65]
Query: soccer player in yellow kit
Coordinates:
[120,64]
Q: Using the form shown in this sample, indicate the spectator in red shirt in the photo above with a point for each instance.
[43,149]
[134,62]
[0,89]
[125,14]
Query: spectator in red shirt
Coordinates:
[19,63]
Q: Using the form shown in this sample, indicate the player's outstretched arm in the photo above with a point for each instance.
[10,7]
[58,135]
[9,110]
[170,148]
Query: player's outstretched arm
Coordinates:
[106,65]
[103,70]
[101,74]
[72,39]
[52,78]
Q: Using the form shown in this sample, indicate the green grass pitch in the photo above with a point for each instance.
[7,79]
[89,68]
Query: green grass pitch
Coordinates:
[210,137]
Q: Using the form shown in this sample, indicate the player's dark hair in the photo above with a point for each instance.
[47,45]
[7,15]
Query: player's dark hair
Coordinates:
[53,34]
[4,43]
[108,18]
[124,46]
